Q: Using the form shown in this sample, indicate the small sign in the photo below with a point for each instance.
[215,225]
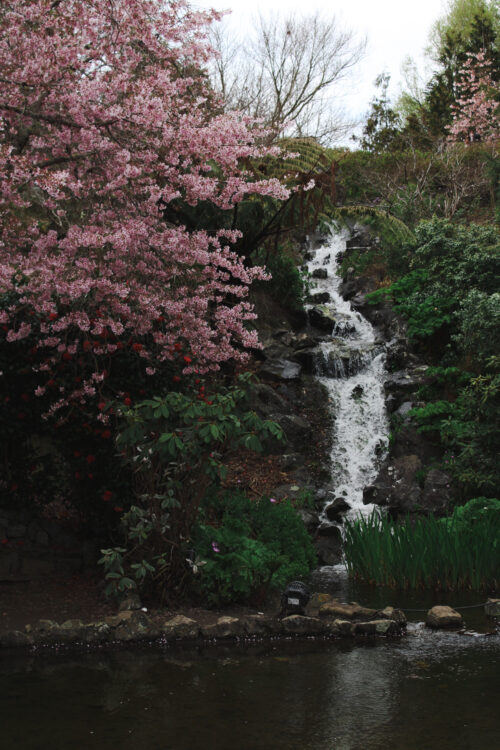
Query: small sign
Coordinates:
[296,602]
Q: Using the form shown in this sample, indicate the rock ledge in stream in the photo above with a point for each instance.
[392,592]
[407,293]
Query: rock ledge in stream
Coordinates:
[325,617]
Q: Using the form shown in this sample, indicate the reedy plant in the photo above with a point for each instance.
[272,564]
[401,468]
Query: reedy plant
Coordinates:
[459,552]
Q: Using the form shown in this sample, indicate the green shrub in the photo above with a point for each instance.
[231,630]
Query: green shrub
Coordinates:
[174,445]
[245,547]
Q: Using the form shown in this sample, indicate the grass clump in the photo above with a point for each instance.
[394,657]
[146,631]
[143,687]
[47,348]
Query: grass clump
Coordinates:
[458,552]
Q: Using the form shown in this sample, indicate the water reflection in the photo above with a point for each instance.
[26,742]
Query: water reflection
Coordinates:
[428,690]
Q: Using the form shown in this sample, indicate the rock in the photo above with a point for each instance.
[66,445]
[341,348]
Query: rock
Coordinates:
[305,340]
[301,625]
[280,369]
[306,358]
[322,317]
[405,408]
[357,392]
[131,602]
[361,237]
[309,518]
[320,298]
[340,610]
[97,632]
[397,486]
[262,625]
[15,639]
[137,627]
[335,510]
[297,430]
[442,616]
[263,397]
[404,382]
[348,289]
[328,546]
[315,602]
[436,495]
[390,613]
[225,627]
[72,631]
[342,627]
[180,627]
[492,608]
[376,627]
[407,440]
[342,361]
[320,273]
[330,530]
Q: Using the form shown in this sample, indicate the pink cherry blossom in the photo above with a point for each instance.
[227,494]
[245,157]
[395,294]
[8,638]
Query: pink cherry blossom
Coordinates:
[106,119]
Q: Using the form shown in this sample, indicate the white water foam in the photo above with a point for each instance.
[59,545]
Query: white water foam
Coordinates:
[352,368]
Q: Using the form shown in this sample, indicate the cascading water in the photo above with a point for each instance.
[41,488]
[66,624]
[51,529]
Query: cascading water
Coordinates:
[351,366]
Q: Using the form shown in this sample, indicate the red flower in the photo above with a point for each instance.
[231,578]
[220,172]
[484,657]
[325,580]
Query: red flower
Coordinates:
[106,434]
[176,379]
[187,359]
[101,405]
[67,355]
[127,401]
[177,346]
[137,347]
[53,316]
[107,495]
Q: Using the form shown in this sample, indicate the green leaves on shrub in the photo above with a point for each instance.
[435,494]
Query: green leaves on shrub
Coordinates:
[175,445]
[249,546]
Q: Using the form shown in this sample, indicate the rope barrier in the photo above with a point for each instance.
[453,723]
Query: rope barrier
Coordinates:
[464,606]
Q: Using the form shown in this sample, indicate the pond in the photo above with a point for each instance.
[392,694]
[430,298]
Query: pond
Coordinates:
[424,691]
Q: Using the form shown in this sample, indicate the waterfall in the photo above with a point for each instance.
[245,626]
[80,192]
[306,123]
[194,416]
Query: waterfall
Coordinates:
[351,365]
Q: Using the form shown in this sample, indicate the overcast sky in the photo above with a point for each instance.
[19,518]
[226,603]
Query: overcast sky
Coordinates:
[393,28]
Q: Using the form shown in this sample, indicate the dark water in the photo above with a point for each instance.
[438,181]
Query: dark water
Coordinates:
[425,691]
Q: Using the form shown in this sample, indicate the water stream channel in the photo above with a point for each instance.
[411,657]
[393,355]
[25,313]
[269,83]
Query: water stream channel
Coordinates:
[351,366]
[424,691]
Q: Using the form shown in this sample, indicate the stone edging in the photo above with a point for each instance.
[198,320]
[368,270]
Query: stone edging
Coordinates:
[135,626]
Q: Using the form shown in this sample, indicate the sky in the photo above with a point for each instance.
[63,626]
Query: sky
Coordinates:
[394,29]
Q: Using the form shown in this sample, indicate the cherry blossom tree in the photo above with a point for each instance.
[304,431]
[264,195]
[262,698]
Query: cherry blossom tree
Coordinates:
[107,118]
[476,111]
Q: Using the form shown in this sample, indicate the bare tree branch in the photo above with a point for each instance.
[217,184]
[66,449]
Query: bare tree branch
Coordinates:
[287,73]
